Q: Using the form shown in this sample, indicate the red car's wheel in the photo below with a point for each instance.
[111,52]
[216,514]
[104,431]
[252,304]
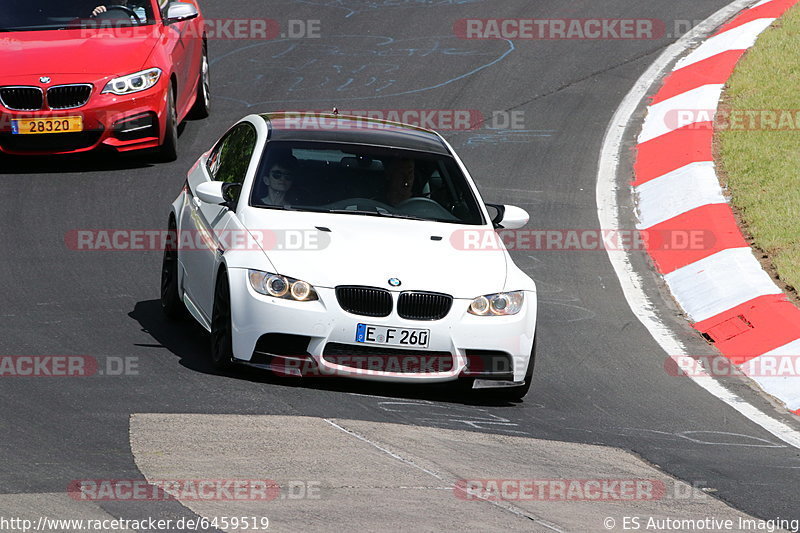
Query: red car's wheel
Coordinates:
[202,104]
[168,151]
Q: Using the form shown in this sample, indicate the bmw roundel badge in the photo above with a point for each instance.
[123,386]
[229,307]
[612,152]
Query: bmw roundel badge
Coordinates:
[394,282]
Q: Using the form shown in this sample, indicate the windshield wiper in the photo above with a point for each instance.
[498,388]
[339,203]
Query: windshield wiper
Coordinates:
[361,212]
[311,209]
[306,208]
[407,217]
[288,208]
[44,27]
[376,213]
[354,212]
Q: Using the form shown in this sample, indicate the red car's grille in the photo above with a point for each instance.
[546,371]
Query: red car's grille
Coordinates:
[22,98]
[68,96]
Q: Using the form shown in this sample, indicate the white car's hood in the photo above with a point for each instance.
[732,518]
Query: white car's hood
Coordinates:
[365,250]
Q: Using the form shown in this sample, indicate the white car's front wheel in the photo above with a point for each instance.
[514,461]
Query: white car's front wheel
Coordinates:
[171,303]
[221,330]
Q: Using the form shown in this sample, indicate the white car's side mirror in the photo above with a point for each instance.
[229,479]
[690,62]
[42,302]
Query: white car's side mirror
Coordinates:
[509,216]
[514,217]
[212,192]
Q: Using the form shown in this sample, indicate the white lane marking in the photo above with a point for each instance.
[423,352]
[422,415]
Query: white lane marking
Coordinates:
[450,415]
[608,214]
[384,450]
[719,282]
[785,361]
[764,442]
[691,107]
[685,435]
[446,414]
[740,38]
[665,197]
[507,507]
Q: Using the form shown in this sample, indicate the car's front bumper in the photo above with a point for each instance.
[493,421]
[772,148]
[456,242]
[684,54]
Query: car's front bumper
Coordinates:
[460,337]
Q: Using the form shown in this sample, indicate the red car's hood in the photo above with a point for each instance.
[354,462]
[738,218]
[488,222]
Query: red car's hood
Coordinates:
[49,53]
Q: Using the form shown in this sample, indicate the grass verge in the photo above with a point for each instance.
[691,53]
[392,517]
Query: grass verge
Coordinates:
[758,147]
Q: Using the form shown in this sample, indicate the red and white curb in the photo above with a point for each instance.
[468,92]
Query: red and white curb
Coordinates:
[721,287]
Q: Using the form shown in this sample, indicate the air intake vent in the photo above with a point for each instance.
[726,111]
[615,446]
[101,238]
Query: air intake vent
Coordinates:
[68,96]
[365,301]
[380,359]
[424,305]
[49,142]
[21,98]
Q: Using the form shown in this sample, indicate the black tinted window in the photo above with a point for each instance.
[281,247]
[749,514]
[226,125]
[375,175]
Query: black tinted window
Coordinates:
[362,179]
[229,160]
[25,15]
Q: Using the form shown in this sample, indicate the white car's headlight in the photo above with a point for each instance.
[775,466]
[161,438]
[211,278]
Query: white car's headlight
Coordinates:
[281,286]
[500,304]
[133,83]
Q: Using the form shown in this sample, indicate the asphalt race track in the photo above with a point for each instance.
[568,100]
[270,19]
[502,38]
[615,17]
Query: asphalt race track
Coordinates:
[600,377]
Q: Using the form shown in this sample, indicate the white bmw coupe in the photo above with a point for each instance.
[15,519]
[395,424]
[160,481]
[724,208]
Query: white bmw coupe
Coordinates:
[327,245]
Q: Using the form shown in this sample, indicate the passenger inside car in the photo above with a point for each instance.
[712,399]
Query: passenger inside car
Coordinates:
[399,180]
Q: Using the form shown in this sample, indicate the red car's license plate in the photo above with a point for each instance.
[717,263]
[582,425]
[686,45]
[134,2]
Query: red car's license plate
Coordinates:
[47,125]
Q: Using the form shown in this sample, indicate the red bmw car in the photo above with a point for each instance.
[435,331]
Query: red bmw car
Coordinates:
[85,74]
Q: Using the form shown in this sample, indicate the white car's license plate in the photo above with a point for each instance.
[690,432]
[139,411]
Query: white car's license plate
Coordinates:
[389,336]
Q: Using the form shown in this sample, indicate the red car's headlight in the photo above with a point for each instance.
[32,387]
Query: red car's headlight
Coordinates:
[133,83]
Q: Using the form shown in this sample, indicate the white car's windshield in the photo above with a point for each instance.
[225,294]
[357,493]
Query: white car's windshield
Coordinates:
[31,15]
[364,180]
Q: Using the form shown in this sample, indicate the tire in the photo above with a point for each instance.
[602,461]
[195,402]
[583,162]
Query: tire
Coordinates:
[202,104]
[221,330]
[171,302]
[515,394]
[168,151]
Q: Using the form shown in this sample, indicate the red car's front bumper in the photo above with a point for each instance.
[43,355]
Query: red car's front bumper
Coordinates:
[131,122]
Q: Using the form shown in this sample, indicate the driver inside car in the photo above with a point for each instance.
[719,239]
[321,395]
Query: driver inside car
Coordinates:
[139,10]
